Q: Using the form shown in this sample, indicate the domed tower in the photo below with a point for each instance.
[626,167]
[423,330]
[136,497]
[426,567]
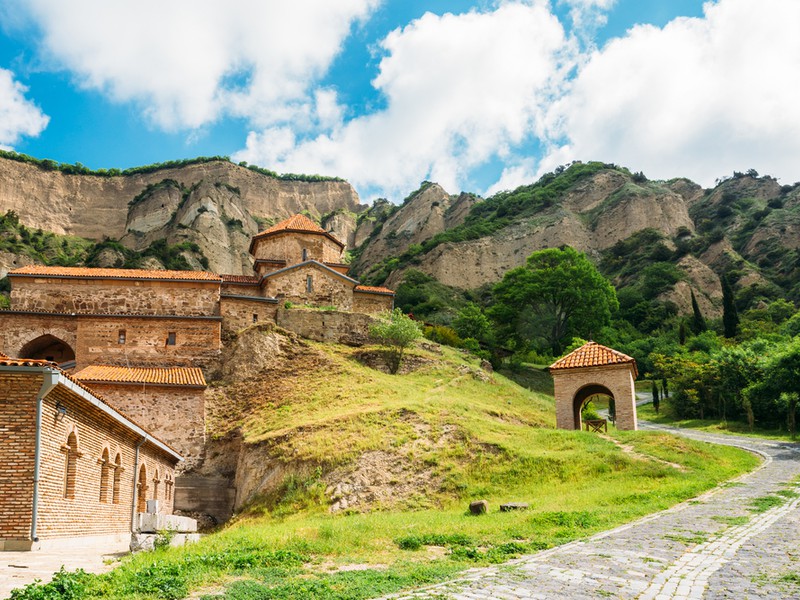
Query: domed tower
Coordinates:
[294,241]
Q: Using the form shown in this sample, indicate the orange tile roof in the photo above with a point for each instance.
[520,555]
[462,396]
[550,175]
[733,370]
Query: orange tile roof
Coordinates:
[84,272]
[248,279]
[183,376]
[593,354]
[373,290]
[7,361]
[297,224]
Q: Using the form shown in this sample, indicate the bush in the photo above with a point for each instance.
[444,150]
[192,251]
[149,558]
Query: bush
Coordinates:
[395,331]
[64,586]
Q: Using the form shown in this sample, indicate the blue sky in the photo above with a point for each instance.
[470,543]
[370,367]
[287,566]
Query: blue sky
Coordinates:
[477,95]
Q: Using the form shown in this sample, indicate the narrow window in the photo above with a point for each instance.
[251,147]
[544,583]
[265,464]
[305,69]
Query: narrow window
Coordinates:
[255,318]
[141,493]
[117,478]
[71,467]
[156,481]
[171,338]
[105,466]
[122,336]
[305,255]
[168,487]
[309,284]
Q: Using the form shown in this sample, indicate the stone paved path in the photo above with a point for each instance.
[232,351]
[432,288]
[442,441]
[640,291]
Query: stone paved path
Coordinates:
[711,547]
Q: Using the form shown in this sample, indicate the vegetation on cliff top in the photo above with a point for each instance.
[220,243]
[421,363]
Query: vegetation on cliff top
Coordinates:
[80,169]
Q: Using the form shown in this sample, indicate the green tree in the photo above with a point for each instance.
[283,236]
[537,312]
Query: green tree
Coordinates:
[778,390]
[698,322]
[730,317]
[656,399]
[557,295]
[472,323]
[395,331]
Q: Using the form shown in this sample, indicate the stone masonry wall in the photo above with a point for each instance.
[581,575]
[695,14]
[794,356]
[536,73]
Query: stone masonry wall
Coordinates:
[327,289]
[238,313]
[17,430]
[18,330]
[114,296]
[617,378]
[290,246]
[372,303]
[173,414]
[326,326]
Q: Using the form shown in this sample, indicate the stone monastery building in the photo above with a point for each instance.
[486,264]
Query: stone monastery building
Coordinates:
[101,375]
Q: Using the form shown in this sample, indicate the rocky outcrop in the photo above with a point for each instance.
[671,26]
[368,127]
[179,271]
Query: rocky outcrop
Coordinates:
[203,203]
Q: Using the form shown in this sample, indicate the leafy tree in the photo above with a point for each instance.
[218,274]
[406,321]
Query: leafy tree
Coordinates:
[557,295]
[698,322]
[779,389]
[472,323]
[730,317]
[396,331]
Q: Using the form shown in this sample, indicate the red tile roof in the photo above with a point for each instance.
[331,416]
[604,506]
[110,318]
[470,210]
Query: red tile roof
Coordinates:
[373,290]
[85,272]
[246,279]
[183,376]
[592,354]
[6,361]
[296,224]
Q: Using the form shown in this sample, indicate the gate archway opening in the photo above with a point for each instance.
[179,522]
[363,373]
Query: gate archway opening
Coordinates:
[585,395]
[49,347]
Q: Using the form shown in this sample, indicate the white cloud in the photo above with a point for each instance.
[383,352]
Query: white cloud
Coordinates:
[18,115]
[188,63]
[697,98]
[588,15]
[459,89]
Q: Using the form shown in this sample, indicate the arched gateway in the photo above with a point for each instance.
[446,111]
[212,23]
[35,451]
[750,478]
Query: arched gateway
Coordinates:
[594,370]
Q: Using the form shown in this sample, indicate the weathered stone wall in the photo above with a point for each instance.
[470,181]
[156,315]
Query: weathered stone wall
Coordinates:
[95,340]
[209,495]
[326,326]
[327,289]
[85,511]
[289,247]
[238,289]
[372,303]
[104,296]
[618,379]
[175,415]
[238,313]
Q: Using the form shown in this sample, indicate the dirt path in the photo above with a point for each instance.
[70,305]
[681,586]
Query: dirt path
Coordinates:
[712,547]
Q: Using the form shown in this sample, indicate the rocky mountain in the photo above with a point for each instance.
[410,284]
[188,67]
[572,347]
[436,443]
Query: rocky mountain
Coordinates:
[670,237]
[214,203]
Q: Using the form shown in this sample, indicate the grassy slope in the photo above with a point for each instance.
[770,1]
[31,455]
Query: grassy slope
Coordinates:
[505,450]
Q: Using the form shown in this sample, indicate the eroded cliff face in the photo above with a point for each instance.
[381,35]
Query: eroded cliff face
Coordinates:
[591,216]
[217,205]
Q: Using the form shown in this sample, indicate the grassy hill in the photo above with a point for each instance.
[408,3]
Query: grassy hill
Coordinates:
[424,443]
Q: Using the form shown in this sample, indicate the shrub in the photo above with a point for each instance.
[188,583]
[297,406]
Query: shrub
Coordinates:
[395,331]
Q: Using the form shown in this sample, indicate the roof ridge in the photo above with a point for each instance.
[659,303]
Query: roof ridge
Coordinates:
[592,354]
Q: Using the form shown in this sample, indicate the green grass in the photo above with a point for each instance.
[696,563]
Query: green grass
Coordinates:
[491,440]
[765,503]
[647,413]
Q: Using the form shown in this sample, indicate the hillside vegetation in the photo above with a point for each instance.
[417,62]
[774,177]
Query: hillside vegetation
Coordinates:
[415,449]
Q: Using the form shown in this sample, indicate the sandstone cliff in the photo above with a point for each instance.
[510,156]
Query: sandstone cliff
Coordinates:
[216,204]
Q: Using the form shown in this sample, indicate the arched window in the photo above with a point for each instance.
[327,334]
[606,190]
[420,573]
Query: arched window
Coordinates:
[71,465]
[117,478]
[168,483]
[141,492]
[156,481]
[105,479]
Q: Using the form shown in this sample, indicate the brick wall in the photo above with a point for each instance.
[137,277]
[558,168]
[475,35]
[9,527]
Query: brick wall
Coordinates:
[238,313]
[327,289]
[77,510]
[290,246]
[174,414]
[17,431]
[372,303]
[114,296]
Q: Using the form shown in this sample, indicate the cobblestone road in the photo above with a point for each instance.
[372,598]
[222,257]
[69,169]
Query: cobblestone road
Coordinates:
[712,547]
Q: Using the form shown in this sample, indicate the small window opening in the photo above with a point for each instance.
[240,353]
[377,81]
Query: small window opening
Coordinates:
[171,338]
[309,284]
[305,255]
[122,336]
[255,318]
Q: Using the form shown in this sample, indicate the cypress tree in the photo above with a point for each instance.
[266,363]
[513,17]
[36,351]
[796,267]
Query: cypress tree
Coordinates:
[664,388]
[654,392]
[682,333]
[698,322]
[730,318]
